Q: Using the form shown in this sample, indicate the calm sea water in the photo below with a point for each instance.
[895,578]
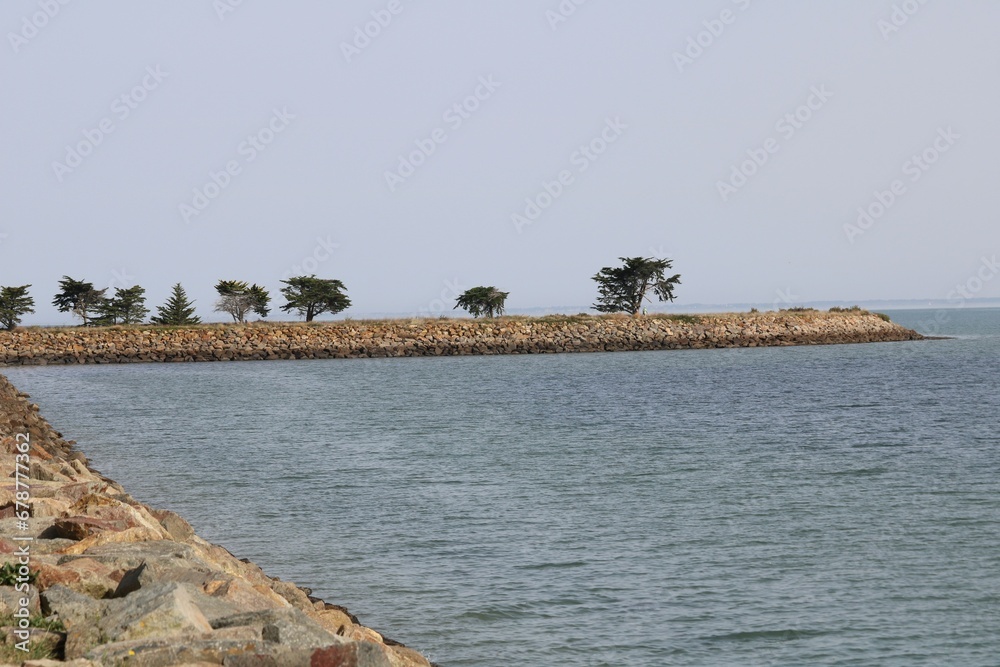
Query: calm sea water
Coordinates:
[794,506]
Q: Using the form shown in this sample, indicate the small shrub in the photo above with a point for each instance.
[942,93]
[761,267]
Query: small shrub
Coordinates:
[686,319]
[852,309]
[8,575]
[10,655]
[883,316]
[37,621]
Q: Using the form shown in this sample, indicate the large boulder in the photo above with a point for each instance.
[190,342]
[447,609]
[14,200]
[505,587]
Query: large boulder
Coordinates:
[159,610]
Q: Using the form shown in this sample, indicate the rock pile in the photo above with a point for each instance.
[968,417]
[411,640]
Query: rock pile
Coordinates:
[114,582]
[412,338]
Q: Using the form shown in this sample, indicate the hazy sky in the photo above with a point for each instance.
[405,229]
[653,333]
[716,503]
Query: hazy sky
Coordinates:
[160,141]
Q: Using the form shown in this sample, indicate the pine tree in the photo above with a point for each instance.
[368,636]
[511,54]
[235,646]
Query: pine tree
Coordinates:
[177,311]
[127,306]
[14,302]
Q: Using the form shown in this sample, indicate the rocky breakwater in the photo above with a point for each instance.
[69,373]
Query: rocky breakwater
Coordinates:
[94,577]
[412,338]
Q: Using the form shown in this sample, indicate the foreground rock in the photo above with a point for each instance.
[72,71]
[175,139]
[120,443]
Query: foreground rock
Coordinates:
[413,338]
[117,582]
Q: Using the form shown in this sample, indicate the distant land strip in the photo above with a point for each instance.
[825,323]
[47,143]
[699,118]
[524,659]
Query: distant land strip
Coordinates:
[442,337]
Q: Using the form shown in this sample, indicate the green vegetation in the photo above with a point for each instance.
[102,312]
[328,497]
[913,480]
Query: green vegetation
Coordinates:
[238,298]
[482,301]
[883,316]
[311,296]
[127,306]
[10,655]
[623,289]
[177,311]
[14,302]
[37,621]
[686,319]
[37,650]
[78,297]
[9,575]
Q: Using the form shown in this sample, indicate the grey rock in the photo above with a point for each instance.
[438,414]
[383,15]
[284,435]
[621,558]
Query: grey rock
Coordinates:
[162,653]
[71,607]
[160,570]
[37,639]
[352,654]
[10,600]
[79,613]
[287,627]
[130,555]
[159,610]
[212,607]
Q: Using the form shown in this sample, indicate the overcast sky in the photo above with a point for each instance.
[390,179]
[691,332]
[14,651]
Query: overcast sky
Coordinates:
[522,144]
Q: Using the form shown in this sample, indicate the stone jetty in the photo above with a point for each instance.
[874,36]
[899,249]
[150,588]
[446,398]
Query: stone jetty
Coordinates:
[90,576]
[441,337]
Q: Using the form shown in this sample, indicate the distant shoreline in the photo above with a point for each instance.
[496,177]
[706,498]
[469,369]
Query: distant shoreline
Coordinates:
[349,339]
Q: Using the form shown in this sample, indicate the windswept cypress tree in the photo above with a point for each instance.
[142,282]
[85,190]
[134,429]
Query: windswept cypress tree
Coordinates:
[78,297]
[178,310]
[14,302]
[488,301]
[127,306]
[239,298]
[623,289]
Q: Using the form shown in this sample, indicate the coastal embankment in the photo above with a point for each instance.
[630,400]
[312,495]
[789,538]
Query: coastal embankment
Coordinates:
[91,576]
[442,337]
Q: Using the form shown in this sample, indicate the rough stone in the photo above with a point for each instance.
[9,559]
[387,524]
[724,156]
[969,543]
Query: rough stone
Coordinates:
[159,610]
[10,600]
[38,639]
[84,575]
[165,653]
[288,627]
[422,337]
